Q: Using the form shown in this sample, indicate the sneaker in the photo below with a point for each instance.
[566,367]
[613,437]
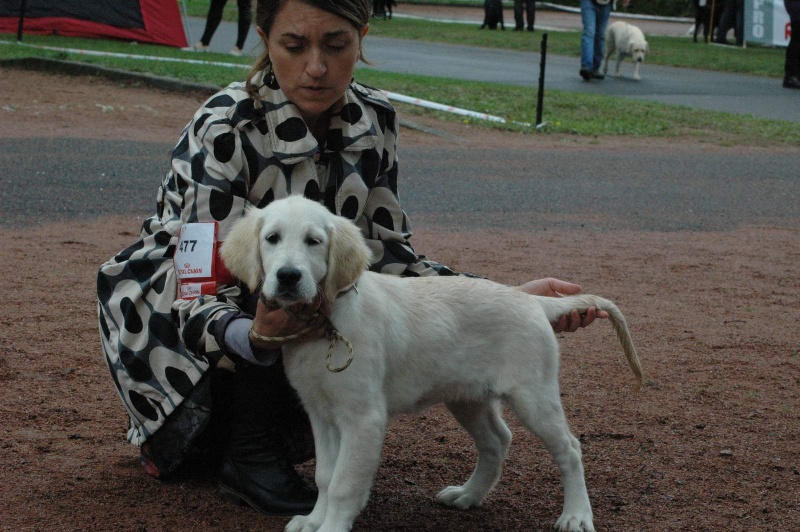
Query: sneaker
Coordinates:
[196,47]
[586,74]
[597,75]
[791,82]
[236,51]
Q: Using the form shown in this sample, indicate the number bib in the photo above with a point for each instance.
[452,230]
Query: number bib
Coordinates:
[197,261]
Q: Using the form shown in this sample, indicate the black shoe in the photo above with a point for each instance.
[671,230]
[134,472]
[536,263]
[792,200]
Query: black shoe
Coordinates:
[268,483]
[585,74]
[597,75]
[530,28]
[791,82]
[256,464]
[518,28]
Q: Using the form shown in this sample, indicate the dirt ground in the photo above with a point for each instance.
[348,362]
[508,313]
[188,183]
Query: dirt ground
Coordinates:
[711,444]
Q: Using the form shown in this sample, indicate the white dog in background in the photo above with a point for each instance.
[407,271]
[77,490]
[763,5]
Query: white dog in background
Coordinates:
[628,41]
[471,344]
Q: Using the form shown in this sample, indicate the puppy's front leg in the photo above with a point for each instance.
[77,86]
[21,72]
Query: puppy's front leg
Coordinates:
[356,464]
[619,63]
[326,448]
[636,75]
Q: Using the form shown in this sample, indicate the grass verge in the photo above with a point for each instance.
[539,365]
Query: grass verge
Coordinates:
[564,112]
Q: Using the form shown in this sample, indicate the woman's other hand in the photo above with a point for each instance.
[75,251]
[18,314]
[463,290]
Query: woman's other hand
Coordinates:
[551,287]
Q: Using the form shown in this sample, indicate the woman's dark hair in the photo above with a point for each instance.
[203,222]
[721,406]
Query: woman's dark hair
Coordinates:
[356,12]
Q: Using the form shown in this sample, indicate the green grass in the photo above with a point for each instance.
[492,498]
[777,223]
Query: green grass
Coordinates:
[584,114]
[565,113]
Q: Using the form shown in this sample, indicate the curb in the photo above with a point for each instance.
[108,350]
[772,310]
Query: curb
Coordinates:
[85,69]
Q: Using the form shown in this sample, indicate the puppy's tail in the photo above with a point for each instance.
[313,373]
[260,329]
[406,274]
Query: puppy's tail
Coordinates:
[556,307]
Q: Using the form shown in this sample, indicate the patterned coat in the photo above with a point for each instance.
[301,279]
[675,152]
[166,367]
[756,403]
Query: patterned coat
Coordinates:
[231,155]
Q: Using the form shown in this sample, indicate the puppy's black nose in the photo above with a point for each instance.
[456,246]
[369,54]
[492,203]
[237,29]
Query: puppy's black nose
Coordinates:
[288,276]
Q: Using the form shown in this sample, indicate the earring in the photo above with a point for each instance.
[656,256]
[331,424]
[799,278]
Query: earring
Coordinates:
[271,76]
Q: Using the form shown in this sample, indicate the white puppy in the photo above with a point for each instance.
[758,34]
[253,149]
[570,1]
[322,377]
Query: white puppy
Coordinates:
[628,41]
[471,344]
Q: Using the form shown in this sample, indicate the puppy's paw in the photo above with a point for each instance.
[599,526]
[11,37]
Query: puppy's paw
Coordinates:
[301,523]
[580,522]
[458,497]
[637,77]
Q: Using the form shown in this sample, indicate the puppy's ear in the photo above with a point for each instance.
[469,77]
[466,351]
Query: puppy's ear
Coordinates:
[241,249]
[348,257]
[630,48]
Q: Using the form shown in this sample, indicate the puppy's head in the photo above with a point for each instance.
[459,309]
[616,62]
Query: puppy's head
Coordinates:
[298,248]
[638,49]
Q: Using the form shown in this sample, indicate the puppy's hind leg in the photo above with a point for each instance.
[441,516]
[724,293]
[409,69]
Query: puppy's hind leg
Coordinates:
[484,422]
[539,409]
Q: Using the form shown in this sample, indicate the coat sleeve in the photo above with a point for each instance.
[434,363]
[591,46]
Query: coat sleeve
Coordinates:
[207,182]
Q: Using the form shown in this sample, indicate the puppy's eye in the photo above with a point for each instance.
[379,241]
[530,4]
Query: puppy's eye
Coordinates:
[313,241]
[273,238]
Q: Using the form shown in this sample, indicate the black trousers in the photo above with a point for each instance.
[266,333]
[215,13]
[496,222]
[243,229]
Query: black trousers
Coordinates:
[526,7]
[215,17]
[792,67]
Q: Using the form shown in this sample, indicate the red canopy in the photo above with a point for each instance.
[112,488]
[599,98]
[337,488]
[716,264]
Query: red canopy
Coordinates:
[147,21]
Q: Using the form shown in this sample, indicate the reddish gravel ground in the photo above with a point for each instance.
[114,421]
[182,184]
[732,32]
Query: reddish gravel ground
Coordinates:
[711,444]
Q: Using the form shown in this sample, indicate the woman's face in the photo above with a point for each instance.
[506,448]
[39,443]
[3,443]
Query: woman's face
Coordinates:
[313,55]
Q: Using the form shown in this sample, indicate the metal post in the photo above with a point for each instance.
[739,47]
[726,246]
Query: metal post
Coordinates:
[186,23]
[21,18]
[540,99]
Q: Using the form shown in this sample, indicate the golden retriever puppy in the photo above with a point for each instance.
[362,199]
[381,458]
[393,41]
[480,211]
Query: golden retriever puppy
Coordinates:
[628,41]
[398,345]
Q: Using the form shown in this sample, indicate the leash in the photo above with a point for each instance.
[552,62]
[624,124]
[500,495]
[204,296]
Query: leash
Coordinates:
[331,332]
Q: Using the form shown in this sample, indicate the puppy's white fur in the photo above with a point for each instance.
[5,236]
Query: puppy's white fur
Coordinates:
[468,343]
[628,41]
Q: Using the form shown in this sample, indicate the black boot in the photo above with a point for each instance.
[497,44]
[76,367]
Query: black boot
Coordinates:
[256,465]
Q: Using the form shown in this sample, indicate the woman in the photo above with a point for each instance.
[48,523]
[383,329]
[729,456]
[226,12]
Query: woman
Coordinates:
[298,125]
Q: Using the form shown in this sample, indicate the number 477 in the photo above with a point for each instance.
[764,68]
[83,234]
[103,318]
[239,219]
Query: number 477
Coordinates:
[183,247]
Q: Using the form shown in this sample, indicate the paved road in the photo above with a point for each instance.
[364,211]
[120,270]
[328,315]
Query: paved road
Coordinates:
[530,189]
[762,97]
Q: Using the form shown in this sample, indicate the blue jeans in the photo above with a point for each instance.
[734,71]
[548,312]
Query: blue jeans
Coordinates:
[595,19]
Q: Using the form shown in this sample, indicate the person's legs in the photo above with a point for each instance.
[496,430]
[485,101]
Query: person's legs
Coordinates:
[791,68]
[603,14]
[519,23]
[726,21]
[738,28]
[589,22]
[530,8]
[212,20]
[244,23]
[269,431]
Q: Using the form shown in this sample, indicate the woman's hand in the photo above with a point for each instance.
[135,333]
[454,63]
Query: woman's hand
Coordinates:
[551,287]
[277,322]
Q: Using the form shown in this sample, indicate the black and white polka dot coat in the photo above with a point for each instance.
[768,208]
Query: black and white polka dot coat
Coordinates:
[231,155]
